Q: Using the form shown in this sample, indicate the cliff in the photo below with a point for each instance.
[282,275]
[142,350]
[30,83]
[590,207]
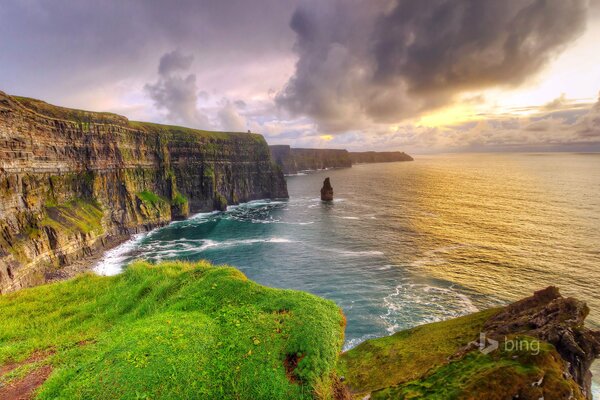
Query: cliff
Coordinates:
[293,160]
[378,157]
[537,348]
[71,180]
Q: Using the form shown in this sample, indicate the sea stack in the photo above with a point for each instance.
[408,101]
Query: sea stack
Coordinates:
[326,191]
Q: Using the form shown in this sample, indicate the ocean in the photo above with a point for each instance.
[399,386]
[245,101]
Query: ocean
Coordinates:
[407,243]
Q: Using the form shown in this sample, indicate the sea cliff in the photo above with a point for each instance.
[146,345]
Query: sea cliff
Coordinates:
[365,157]
[71,181]
[292,160]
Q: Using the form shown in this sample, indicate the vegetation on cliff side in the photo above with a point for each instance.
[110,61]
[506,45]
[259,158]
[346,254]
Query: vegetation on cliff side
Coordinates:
[176,330]
[437,361]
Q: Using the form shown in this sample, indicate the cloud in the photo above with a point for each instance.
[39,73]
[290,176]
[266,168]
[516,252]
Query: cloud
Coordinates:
[176,94]
[588,126]
[174,61]
[362,62]
[557,103]
[230,120]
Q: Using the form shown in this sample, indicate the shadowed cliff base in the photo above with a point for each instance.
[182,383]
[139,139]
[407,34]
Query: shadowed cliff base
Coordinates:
[72,182]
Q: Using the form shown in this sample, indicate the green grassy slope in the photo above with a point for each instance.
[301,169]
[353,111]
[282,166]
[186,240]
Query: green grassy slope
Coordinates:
[429,362]
[171,331]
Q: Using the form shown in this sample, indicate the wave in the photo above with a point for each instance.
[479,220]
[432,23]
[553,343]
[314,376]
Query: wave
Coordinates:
[113,260]
[181,247]
[351,343]
[352,253]
[415,304]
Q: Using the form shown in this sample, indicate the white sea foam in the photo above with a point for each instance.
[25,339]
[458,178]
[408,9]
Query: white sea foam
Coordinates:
[595,390]
[423,304]
[356,341]
[113,260]
[353,253]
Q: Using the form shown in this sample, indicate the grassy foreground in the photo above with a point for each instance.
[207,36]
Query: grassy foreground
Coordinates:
[172,331]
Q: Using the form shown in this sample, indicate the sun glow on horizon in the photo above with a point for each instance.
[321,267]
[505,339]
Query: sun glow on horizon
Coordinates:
[448,116]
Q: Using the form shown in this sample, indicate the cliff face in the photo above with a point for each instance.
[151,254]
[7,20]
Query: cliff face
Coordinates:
[293,160]
[71,179]
[378,156]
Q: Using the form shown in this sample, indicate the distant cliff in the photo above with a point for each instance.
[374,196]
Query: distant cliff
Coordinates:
[71,179]
[378,157]
[293,160]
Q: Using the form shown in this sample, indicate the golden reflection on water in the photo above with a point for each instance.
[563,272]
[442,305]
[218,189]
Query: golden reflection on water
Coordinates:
[508,224]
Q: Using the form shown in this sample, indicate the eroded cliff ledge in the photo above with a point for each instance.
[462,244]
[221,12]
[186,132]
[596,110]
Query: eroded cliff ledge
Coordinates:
[72,179]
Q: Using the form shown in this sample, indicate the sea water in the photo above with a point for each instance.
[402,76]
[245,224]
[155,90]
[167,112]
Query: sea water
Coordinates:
[407,243]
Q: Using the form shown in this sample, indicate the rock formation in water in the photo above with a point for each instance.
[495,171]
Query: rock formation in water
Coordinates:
[535,348]
[292,161]
[70,180]
[365,157]
[327,191]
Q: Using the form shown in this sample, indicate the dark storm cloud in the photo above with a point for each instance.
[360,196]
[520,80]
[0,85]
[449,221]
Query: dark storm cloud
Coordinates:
[387,60]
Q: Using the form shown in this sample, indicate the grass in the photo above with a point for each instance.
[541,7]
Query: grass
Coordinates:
[172,331]
[70,114]
[407,355]
[426,363]
[150,198]
[189,134]
[499,375]
[77,215]
[179,199]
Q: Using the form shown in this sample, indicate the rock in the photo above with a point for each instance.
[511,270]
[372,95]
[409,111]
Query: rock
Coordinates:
[70,179]
[327,191]
[557,320]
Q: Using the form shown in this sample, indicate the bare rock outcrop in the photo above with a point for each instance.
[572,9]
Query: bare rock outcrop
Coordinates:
[327,191]
[557,320]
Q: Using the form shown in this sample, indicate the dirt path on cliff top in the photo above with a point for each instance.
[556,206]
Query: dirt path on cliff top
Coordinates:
[25,387]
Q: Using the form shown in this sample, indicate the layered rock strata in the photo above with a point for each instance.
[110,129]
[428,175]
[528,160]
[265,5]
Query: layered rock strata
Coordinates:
[72,179]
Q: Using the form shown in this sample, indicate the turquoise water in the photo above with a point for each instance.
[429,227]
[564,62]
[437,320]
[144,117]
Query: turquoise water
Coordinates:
[409,243]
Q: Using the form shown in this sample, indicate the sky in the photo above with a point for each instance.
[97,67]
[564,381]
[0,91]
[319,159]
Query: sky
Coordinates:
[417,76]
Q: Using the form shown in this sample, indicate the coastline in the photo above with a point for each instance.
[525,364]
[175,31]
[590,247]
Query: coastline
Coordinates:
[87,263]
